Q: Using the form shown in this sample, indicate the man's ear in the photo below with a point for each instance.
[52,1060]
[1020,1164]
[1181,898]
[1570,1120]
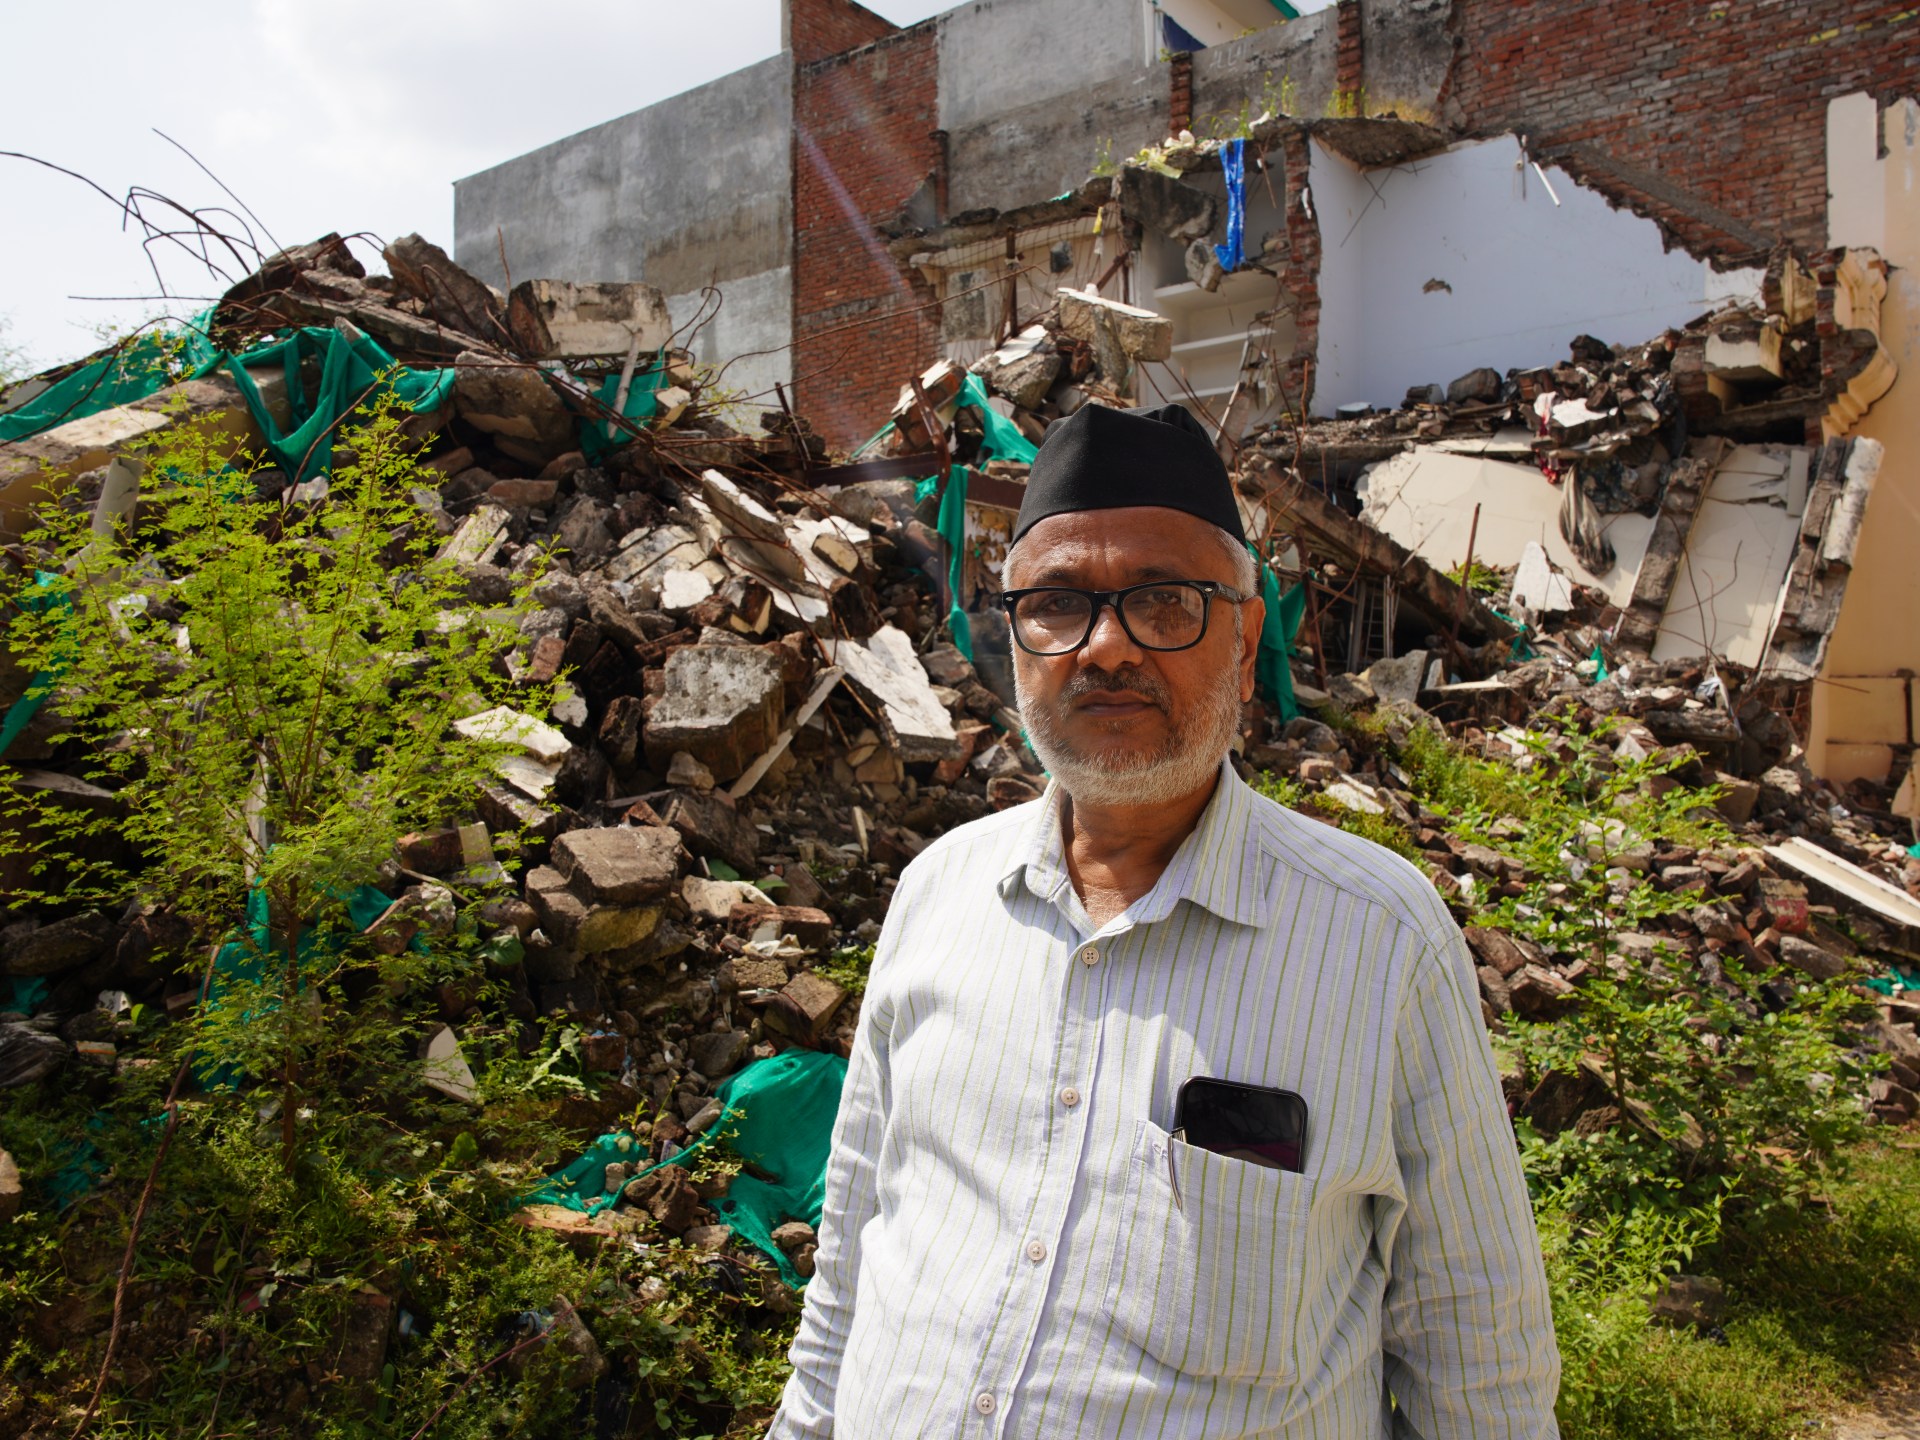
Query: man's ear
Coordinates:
[1254,612]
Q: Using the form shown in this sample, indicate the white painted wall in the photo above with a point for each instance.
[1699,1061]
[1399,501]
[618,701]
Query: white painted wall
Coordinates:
[1520,276]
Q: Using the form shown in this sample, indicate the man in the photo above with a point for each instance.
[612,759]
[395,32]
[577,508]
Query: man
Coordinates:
[1034,1226]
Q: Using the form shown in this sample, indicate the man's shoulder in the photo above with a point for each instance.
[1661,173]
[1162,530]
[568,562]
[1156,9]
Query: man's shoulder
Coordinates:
[1327,855]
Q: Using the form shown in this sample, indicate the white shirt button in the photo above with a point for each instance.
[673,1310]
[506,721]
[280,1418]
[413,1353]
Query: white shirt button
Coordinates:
[1090,955]
[1069,1097]
[983,1402]
[1036,1252]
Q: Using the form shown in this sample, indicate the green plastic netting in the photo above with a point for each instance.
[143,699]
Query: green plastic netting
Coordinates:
[777,1117]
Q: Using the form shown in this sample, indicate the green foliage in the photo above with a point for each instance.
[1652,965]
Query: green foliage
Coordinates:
[849,968]
[268,691]
[1381,830]
[1811,1314]
[249,1277]
[1481,579]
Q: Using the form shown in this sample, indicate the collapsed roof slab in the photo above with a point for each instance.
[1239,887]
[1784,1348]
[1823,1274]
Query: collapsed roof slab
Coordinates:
[1425,499]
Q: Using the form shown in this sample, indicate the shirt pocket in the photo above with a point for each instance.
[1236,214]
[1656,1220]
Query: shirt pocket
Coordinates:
[1212,1285]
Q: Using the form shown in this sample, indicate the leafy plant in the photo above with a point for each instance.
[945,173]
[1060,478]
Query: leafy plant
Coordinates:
[267,691]
[849,968]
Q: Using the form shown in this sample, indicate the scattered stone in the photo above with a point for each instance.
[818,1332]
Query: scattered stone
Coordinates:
[619,864]
[667,1196]
[722,706]
[803,1009]
[717,1055]
[12,1196]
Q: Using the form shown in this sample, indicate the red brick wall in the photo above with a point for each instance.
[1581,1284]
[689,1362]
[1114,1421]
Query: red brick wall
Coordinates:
[863,144]
[817,29]
[1726,101]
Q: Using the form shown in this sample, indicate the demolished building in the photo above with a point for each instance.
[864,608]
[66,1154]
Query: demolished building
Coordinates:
[1385,197]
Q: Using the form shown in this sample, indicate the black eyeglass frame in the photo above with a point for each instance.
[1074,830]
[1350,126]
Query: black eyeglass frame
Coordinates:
[1211,590]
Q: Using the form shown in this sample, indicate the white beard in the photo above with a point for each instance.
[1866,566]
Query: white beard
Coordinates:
[1148,775]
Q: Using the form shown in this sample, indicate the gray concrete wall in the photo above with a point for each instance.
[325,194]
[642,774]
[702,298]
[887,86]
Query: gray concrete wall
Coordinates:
[1031,92]
[694,191]
[1407,52]
[1290,66]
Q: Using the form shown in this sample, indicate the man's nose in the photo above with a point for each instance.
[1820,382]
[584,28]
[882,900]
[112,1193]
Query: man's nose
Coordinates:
[1109,646]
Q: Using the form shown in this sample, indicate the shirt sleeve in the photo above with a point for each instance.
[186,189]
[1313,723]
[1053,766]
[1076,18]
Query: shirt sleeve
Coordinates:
[1467,1328]
[852,1199]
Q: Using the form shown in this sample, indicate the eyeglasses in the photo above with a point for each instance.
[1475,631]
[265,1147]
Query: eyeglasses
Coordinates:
[1159,615]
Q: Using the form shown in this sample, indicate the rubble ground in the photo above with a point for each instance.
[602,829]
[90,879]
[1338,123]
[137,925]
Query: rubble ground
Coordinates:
[689,702]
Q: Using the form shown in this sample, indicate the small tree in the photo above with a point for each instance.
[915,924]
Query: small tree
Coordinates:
[268,688]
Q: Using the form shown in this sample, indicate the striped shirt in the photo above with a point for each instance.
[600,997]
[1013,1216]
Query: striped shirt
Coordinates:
[1001,1253]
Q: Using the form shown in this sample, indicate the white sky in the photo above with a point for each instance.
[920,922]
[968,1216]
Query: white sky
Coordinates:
[343,115]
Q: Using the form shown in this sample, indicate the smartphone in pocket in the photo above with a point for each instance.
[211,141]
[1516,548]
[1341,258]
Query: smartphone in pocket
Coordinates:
[1254,1123]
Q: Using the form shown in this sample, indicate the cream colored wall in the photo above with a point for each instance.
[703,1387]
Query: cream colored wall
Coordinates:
[1862,703]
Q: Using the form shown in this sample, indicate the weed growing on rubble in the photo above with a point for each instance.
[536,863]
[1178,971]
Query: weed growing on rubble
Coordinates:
[263,694]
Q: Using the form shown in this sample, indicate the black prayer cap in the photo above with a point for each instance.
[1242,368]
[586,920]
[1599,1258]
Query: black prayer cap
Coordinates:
[1099,458]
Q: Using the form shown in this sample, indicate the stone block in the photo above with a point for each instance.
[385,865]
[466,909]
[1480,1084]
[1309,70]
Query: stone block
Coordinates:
[514,404]
[712,826]
[11,1194]
[569,921]
[61,945]
[1475,387]
[1398,679]
[1811,959]
[803,1010]
[1506,954]
[809,927]
[723,705]
[667,1196]
[752,972]
[619,864]
[717,1054]
[1141,334]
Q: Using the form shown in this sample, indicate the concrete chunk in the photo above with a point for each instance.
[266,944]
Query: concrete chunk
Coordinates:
[511,727]
[514,404]
[619,864]
[1141,334]
[723,705]
[888,671]
[565,320]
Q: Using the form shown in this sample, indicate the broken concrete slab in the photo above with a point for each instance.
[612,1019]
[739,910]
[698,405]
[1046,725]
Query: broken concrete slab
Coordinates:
[515,405]
[567,320]
[1425,499]
[1398,680]
[503,725]
[478,537]
[446,1068]
[722,704]
[453,296]
[619,864]
[1140,334]
[885,668]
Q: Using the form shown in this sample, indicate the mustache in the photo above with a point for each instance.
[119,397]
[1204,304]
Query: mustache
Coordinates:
[1129,678]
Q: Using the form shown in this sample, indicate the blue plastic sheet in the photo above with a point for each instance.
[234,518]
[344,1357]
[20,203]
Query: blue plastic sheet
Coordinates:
[1233,161]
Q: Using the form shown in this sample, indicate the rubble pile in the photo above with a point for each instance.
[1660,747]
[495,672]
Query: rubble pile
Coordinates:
[1815,881]
[762,719]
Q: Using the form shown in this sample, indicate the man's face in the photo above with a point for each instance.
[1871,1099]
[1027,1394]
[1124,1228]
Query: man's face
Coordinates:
[1115,722]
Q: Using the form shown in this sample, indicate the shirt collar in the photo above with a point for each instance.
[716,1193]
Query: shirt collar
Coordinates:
[1221,867]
